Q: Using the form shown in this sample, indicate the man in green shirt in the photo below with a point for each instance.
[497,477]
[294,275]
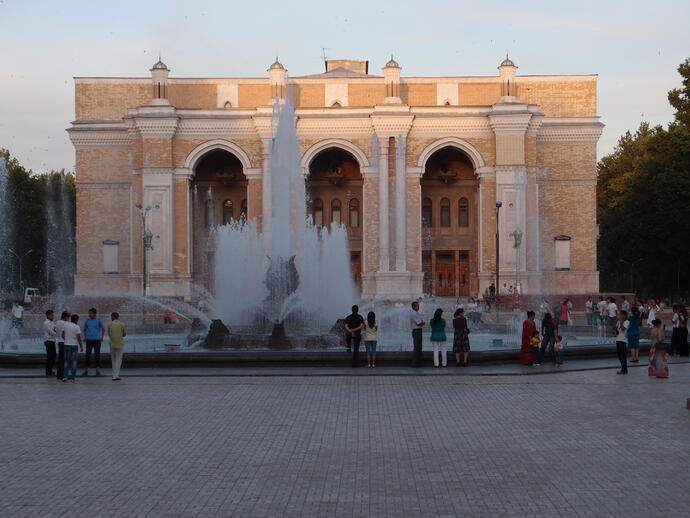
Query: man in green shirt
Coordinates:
[116,334]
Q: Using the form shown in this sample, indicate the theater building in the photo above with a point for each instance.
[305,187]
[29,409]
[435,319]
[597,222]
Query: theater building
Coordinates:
[414,167]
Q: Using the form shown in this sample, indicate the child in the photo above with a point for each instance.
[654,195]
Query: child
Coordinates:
[560,345]
[536,353]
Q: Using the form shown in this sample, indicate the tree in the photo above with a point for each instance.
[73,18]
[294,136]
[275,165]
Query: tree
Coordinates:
[643,197]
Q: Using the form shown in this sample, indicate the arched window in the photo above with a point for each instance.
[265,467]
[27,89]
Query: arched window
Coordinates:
[317,213]
[426,212]
[336,216]
[243,209]
[354,213]
[227,212]
[336,104]
[228,104]
[464,212]
[445,212]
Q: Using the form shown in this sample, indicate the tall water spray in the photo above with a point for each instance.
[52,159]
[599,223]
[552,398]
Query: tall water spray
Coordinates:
[60,243]
[294,272]
[7,230]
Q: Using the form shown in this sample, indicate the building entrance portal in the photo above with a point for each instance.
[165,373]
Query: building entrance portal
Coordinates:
[219,197]
[334,195]
[450,224]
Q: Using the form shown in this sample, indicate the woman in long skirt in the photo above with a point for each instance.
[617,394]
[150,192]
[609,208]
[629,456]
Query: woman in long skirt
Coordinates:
[658,359]
[461,340]
[528,328]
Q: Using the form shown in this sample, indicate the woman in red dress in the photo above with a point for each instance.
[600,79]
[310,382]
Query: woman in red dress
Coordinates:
[528,329]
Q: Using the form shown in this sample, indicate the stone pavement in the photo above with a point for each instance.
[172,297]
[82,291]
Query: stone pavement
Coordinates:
[584,443]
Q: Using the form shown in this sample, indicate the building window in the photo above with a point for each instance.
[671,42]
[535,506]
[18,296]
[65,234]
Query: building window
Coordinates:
[426,212]
[228,104]
[336,216]
[336,104]
[464,212]
[318,212]
[354,213]
[243,210]
[562,251]
[445,212]
[227,212]
[110,256]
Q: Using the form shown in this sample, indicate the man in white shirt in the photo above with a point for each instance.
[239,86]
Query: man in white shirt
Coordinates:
[622,325]
[416,325]
[625,305]
[59,328]
[612,310]
[601,308]
[73,344]
[49,341]
[17,315]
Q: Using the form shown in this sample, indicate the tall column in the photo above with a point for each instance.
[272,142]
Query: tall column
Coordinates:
[384,240]
[400,206]
[266,187]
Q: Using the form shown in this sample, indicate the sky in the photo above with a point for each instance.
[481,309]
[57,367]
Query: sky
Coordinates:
[634,46]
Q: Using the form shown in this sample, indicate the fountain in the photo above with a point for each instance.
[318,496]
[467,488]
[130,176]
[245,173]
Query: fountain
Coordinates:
[286,286]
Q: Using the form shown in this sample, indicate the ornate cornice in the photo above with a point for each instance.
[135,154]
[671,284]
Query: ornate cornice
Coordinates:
[94,137]
[216,128]
[391,125]
[573,133]
[444,126]
[510,122]
[318,127]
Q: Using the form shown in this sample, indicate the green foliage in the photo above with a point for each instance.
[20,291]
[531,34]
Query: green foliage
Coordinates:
[643,197]
[29,193]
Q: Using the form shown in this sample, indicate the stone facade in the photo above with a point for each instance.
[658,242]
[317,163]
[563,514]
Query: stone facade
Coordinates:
[526,141]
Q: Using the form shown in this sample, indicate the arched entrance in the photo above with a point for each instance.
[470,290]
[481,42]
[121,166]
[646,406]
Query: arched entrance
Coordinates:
[450,226]
[219,196]
[334,194]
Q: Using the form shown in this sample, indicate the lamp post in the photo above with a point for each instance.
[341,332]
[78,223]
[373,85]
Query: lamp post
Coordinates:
[631,264]
[499,204]
[517,236]
[20,260]
[146,236]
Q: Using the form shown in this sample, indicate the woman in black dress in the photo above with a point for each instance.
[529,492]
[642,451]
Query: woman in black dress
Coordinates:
[461,340]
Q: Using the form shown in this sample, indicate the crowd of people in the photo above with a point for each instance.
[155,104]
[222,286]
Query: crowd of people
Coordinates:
[64,339]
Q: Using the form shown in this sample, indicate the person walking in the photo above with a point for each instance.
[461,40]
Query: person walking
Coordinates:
[371,327]
[461,339]
[634,335]
[621,327]
[548,341]
[59,330]
[353,329]
[652,309]
[658,359]
[416,324]
[528,328]
[565,313]
[589,311]
[94,330]
[71,335]
[438,338]
[49,336]
[116,335]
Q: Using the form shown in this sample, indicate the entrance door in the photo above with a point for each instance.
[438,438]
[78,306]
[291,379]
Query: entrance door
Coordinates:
[445,274]
[428,273]
[464,274]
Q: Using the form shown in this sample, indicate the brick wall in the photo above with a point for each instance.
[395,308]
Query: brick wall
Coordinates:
[561,98]
[109,101]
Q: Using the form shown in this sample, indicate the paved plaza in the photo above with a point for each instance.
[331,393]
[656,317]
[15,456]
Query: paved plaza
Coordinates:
[579,443]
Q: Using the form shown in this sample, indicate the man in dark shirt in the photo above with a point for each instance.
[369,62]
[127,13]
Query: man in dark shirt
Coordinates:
[353,334]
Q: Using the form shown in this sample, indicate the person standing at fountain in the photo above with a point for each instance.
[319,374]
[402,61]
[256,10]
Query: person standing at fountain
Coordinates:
[416,325]
[461,339]
[59,330]
[94,331]
[622,326]
[71,335]
[612,310]
[371,327]
[528,328]
[17,315]
[634,335]
[589,310]
[549,332]
[658,358]
[438,338]
[601,308]
[354,324]
[49,341]
[116,335]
